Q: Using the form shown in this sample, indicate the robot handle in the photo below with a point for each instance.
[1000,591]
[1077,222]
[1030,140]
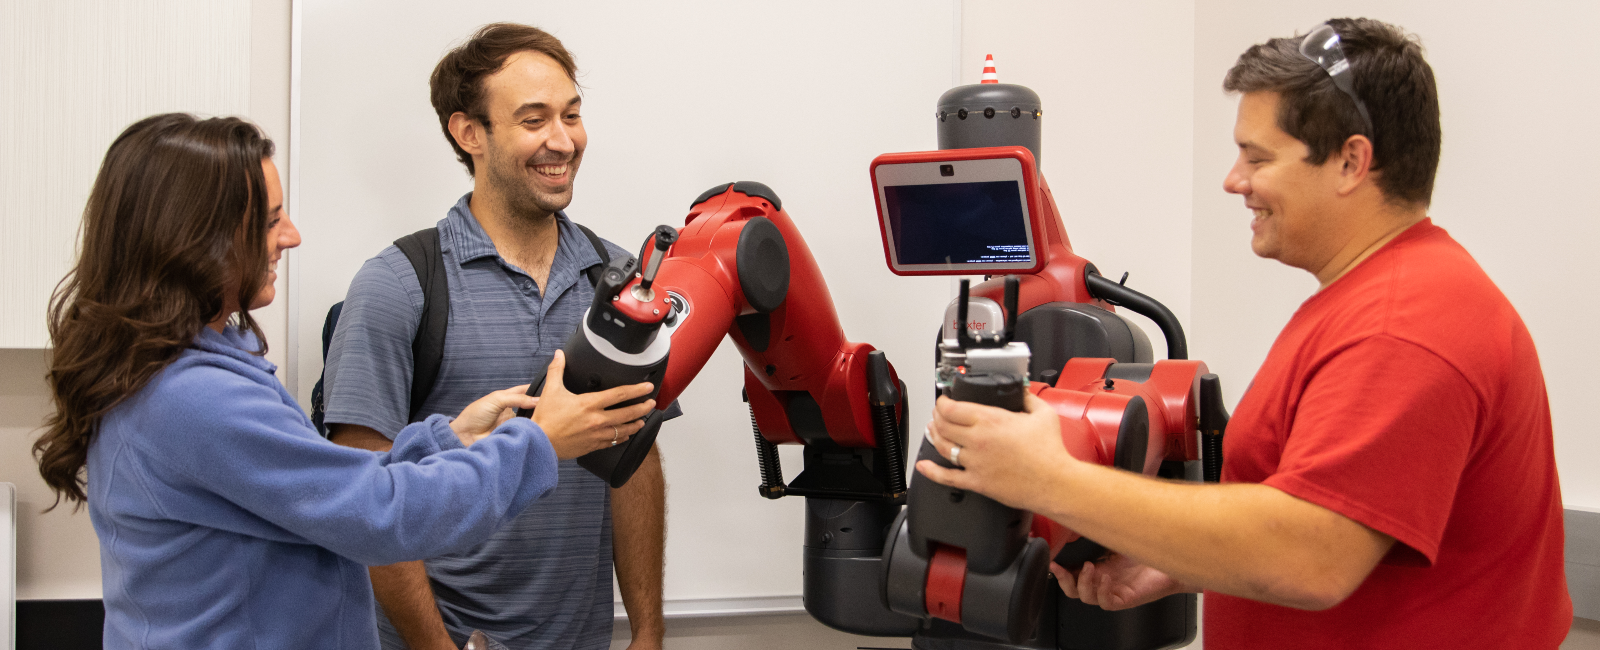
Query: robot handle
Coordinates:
[1115,293]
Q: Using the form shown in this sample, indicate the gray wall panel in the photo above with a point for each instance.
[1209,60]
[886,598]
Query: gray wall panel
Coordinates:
[1583,562]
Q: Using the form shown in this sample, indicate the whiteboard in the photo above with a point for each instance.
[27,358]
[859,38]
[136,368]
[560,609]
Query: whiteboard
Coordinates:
[678,97]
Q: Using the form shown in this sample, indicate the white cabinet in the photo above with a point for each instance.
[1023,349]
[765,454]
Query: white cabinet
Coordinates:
[73,75]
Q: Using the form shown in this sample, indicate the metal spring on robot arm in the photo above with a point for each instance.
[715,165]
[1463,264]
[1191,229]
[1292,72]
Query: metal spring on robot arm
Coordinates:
[891,445]
[767,458]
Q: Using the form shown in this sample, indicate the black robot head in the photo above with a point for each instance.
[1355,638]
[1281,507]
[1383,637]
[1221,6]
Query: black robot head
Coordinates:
[990,114]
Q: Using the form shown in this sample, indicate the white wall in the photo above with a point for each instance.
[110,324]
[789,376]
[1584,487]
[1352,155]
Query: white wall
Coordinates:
[1115,79]
[269,108]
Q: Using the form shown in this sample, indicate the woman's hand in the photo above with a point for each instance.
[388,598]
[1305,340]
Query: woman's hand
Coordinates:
[482,417]
[579,424]
[1116,582]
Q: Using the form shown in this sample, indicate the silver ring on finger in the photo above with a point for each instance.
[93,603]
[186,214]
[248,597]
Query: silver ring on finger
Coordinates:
[614,435]
[955,455]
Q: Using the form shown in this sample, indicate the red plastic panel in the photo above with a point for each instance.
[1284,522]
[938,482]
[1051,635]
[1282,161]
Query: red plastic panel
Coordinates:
[768,411]
[1177,382]
[711,313]
[947,577]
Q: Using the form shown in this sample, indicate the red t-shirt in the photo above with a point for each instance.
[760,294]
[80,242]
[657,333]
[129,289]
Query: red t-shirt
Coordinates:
[1408,396]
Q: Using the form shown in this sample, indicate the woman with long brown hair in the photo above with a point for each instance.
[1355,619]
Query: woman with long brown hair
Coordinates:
[224,520]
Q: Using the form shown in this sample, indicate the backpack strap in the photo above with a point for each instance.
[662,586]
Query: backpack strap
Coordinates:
[594,272]
[427,349]
[319,403]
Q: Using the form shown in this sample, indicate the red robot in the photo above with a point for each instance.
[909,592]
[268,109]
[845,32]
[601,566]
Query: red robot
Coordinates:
[972,568]
[740,268]
[948,569]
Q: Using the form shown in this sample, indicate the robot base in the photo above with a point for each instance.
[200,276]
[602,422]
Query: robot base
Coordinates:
[1068,624]
[1166,623]
[844,567]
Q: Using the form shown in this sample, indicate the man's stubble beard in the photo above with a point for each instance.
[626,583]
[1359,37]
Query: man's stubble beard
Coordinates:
[509,175]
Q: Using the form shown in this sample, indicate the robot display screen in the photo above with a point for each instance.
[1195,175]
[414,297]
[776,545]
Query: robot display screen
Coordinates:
[959,224]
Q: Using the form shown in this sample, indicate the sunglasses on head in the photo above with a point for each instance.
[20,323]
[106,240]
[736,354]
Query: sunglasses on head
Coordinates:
[1322,47]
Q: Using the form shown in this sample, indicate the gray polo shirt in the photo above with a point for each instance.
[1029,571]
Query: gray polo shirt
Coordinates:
[543,581]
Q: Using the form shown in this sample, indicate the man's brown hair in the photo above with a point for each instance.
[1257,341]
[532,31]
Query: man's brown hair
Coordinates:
[1391,78]
[457,82]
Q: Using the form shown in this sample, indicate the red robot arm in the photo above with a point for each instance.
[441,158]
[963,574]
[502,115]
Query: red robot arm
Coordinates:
[740,268]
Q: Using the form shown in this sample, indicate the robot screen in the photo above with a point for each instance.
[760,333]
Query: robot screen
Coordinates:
[958,223]
[949,215]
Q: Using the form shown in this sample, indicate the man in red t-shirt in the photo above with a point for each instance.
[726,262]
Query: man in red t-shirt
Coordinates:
[1389,477]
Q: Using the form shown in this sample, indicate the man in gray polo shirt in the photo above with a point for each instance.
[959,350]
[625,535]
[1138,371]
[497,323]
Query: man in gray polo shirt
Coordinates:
[508,103]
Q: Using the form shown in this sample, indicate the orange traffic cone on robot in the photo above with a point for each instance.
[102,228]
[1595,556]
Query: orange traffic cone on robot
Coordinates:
[989,75]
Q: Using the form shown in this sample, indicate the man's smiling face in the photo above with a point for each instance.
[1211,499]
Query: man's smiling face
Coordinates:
[537,139]
[1288,196]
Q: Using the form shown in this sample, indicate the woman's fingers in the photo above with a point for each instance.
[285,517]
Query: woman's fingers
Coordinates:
[610,396]
[487,413]
[625,420]
[509,401]
[554,371]
[505,416]
[608,432]
[630,413]
[610,437]
[516,397]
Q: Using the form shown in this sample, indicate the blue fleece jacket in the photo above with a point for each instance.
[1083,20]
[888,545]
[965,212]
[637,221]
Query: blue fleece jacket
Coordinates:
[225,521]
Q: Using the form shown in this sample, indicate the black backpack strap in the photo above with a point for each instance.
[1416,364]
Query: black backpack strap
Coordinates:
[594,272]
[427,349]
[319,403]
